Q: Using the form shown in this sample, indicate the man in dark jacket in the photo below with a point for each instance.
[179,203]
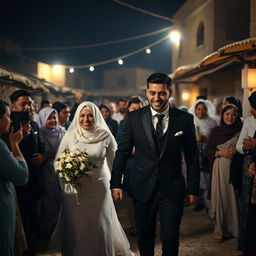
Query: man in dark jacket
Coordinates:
[160,134]
[32,148]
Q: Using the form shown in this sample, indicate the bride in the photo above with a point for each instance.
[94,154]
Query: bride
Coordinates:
[90,227]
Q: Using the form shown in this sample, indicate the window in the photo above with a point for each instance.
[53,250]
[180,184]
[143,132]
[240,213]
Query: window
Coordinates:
[200,34]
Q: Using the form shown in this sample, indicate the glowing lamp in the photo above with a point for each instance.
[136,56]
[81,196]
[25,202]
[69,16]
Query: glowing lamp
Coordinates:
[175,37]
[148,51]
[248,77]
[185,96]
[57,69]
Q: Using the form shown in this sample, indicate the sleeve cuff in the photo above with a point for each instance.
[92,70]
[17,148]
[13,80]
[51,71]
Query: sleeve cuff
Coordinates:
[20,159]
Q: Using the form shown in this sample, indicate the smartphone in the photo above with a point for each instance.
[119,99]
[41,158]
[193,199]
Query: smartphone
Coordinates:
[19,117]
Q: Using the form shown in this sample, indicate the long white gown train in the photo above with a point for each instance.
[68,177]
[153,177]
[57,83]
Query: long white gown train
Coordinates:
[89,225]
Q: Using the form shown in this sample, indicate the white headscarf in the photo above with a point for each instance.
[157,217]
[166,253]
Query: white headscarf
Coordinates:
[43,116]
[50,136]
[205,125]
[209,106]
[100,130]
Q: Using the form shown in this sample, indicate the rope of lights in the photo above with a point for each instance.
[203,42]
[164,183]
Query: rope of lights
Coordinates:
[101,62]
[147,12]
[120,57]
[98,44]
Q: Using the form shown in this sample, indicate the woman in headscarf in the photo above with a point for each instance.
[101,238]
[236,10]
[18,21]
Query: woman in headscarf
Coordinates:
[235,101]
[51,134]
[221,149]
[90,227]
[63,113]
[203,112]
[112,124]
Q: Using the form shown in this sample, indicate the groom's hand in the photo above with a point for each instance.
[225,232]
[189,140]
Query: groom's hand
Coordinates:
[190,200]
[117,194]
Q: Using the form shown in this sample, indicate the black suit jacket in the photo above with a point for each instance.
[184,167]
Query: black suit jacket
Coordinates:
[149,166]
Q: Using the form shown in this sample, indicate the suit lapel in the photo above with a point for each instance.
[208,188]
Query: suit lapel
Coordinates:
[172,124]
[147,120]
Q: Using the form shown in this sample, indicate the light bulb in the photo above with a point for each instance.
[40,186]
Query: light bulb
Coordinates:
[175,37]
[57,69]
[185,96]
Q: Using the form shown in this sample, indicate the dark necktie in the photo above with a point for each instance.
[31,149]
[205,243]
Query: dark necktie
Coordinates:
[159,125]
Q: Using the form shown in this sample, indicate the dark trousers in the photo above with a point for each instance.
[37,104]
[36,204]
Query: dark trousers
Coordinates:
[28,210]
[250,246]
[170,214]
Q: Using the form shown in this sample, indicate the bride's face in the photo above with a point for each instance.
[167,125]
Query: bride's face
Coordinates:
[86,119]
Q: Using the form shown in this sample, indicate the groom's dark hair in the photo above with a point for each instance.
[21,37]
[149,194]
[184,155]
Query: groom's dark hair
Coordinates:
[159,78]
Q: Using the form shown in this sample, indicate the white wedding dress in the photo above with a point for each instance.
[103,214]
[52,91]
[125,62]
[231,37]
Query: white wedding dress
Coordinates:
[89,225]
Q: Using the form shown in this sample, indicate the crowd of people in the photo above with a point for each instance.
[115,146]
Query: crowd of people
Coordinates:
[158,155]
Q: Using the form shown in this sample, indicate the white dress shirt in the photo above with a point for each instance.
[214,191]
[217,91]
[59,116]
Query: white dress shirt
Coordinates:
[118,117]
[165,119]
[248,130]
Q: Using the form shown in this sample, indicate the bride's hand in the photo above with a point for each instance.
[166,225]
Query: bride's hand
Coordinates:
[117,194]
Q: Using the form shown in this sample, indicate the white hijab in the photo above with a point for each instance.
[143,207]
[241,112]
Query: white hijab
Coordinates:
[51,137]
[43,116]
[205,125]
[100,130]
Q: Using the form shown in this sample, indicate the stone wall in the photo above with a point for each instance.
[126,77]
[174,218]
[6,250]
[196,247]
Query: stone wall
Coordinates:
[191,15]
[7,89]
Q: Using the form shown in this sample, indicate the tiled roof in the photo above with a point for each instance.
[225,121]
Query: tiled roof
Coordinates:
[222,54]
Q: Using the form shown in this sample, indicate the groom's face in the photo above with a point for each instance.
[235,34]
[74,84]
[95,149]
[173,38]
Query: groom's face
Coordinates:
[158,96]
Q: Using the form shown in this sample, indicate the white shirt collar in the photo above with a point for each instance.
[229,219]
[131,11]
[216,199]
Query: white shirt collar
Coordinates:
[165,112]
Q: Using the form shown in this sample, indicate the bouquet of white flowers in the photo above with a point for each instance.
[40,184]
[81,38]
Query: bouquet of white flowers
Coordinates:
[72,165]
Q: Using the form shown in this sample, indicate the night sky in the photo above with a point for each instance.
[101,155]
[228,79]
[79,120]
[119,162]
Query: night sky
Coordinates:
[67,23]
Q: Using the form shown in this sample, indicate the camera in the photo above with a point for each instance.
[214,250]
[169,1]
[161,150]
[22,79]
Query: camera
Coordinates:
[19,117]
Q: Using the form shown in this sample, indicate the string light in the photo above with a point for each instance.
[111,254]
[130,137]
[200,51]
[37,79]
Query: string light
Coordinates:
[120,62]
[121,57]
[71,70]
[148,51]
[77,47]
[92,65]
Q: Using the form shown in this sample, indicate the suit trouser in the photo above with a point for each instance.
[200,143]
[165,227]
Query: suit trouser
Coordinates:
[28,208]
[170,214]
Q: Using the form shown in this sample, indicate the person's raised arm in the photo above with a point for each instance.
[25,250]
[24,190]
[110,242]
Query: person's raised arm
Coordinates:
[13,165]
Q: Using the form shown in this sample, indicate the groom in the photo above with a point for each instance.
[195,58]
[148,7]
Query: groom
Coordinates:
[160,134]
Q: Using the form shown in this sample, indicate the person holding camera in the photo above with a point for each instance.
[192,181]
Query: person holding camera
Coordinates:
[13,170]
[32,148]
